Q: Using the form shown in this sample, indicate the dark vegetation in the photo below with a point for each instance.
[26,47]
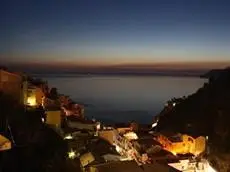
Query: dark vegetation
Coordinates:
[35,146]
[207,112]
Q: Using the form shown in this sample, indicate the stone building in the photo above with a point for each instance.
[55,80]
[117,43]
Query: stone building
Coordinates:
[11,84]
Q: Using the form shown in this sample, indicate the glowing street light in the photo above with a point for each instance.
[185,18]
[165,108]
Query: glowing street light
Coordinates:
[43,120]
[68,137]
[72,154]
[154,124]
[98,126]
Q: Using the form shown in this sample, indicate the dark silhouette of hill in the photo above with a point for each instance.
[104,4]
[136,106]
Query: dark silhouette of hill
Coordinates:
[206,112]
[214,73]
[35,146]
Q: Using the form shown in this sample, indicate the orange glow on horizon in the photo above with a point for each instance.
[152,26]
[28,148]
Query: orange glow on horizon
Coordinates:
[111,60]
[158,65]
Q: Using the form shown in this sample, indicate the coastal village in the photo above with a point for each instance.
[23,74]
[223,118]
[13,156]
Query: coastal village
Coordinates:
[97,147]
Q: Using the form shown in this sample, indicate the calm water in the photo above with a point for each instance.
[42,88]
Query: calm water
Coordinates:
[124,98]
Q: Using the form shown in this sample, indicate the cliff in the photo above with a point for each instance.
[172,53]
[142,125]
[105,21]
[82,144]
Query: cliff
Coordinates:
[206,112]
[215,73]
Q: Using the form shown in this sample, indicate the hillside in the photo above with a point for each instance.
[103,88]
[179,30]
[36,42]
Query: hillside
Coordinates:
[35,146]
[206,112]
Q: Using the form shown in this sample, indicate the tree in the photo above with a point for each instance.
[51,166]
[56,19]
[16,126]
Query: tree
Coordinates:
[134,126]
[53,93]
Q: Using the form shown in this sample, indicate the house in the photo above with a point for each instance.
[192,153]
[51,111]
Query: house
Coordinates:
[108,135]
[53,117]
[20,89]
[80,124]
[146,145]
[183,144]
[98,151]
[193,165]
[34,96]
[11,84]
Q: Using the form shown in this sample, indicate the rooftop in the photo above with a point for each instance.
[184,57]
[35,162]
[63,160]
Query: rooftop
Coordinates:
[131,166]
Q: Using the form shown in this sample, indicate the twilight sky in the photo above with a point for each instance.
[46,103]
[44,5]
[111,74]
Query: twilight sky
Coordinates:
[116,32]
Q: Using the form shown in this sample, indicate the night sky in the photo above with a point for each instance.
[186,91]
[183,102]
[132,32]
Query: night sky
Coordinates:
[115,32]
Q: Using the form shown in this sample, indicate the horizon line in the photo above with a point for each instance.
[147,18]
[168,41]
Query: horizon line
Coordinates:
[195,65]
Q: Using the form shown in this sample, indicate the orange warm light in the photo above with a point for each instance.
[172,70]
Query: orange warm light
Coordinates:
[187,145]
[5,143]
[31,101]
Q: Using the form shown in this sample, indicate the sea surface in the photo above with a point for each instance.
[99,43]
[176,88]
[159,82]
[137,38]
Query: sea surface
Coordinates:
[124,98]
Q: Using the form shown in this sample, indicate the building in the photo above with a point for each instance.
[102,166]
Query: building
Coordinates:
[191,166]
[183,144]
[74,122]
[98,151]
[5,143]
[146,145]
[48,103]
[34,96]
[130,166]
[108,135]
[53,117]
[11,84]
[20,89]
[123,130]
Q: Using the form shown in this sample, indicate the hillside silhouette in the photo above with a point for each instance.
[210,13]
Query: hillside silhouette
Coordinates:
[206,112]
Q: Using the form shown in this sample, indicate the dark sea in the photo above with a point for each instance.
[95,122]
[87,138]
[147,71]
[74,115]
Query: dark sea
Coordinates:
[113,99]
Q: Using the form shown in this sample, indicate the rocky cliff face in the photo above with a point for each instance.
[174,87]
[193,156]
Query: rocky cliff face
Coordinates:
[206,112]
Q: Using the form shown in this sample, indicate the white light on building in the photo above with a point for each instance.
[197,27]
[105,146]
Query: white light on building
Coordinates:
[131,136]
[186,166]
[118,149]
[210,169]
